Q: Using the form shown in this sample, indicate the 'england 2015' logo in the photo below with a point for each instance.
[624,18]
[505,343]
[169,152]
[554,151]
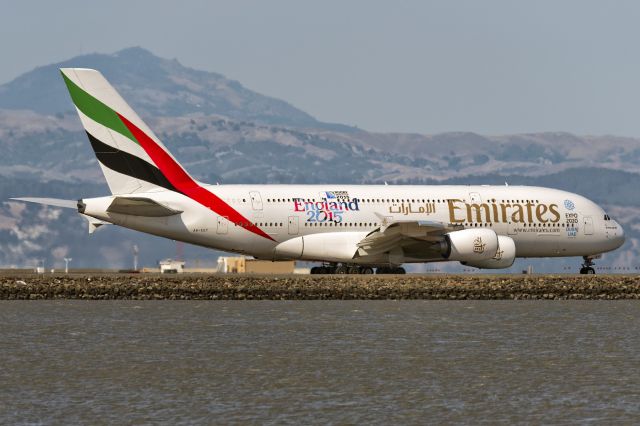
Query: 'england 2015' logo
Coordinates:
[569,204]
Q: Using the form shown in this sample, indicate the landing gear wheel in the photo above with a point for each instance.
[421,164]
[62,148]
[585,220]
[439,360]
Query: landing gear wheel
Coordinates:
[315,270]
[354,270]
[366,270]
[587,266]
[400,270]
[341,270]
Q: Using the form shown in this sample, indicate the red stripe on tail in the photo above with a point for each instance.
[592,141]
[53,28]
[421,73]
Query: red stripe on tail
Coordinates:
[185,184]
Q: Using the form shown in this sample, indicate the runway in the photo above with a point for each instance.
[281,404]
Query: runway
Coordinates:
[318,287]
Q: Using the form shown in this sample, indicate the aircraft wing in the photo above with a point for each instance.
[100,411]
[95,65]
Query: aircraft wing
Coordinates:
[395,234]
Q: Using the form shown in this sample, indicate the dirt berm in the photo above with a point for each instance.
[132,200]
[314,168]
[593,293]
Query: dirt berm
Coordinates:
[301,287]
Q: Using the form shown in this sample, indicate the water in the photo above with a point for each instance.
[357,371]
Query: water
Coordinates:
[319,361]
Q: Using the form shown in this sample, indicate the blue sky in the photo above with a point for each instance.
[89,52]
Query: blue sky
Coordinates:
[491,67]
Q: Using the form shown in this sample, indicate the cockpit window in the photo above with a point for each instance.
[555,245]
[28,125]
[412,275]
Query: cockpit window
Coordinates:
[607,217]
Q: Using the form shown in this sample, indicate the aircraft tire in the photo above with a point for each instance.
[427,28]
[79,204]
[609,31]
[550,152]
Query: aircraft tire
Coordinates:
[366,270]
[342,270]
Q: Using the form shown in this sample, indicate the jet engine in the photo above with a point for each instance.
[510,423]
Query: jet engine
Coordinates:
[504,257]
[470,245]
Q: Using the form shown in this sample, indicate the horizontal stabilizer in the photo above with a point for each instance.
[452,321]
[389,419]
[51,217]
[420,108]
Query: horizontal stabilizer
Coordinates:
[138,206]
[67,204]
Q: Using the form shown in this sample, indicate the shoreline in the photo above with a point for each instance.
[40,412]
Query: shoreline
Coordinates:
[318,287]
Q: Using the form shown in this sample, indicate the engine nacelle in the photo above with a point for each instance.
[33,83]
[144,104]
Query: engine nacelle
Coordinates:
[504,257]
[329,247]
[470,245]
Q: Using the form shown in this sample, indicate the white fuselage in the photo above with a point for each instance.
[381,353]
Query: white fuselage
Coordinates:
[542,222]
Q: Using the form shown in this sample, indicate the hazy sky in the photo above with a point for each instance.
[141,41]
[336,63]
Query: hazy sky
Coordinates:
[414,66]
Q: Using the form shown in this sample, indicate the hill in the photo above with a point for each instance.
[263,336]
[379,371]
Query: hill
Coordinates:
[155,87]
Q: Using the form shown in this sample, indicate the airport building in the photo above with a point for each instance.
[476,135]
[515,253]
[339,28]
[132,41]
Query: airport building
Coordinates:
[243,265]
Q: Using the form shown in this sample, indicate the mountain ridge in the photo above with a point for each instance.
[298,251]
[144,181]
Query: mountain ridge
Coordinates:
[155,86]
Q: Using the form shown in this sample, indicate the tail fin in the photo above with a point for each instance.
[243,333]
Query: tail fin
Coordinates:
[132,158]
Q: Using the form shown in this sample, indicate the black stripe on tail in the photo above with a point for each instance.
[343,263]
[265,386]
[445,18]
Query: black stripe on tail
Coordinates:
[128,164]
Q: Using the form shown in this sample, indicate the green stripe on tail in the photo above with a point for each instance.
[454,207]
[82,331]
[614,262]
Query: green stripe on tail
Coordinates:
[96,110]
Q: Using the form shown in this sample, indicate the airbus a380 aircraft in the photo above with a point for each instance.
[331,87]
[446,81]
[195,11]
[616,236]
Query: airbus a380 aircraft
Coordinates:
[349,228]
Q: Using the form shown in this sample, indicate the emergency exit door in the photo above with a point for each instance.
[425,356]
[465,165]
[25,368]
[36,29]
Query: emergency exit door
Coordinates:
[256,200]
[223,225]
[588,225]
[293,225]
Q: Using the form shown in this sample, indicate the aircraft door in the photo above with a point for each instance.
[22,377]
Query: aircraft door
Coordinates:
[223,224]
[511,230]
[475,197]
[588,225]
[256,200]
[293,225]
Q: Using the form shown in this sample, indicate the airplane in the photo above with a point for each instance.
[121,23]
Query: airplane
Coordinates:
[348,229]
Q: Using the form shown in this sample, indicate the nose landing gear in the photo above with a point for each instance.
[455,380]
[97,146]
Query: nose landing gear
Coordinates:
[587,266]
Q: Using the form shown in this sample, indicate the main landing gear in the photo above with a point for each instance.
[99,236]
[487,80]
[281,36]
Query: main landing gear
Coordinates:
[342,269]
[587,266]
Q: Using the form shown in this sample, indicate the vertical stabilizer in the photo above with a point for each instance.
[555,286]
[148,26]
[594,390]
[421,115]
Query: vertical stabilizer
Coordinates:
[115,131]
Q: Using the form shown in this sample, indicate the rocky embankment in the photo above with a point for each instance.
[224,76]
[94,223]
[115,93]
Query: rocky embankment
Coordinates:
[345,287]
